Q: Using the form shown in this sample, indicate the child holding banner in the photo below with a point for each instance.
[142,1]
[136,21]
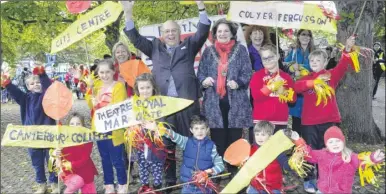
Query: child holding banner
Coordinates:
[151,156]
[200,157]
[272,175]
[81,171]
[32,113]
[316,87]
[271,89]
[112,151]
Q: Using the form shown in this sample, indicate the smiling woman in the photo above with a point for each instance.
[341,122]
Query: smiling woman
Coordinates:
[224,72]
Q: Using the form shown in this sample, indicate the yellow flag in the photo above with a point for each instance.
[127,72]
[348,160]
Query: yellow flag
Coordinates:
[96,19]
[135,110]
[268,152]
[49,136]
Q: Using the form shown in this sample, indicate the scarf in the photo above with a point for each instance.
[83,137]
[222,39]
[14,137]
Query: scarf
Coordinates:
[223,49]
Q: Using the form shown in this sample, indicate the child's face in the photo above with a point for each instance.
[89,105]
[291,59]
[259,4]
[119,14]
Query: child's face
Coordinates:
[335,145]
[261,138]
[199,131]
[317,63]
[34,85]
[145,89]
[76,122]
[105,73]
[269,60]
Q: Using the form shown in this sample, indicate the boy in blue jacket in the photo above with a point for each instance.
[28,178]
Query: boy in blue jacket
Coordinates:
[32,113]
[200,156]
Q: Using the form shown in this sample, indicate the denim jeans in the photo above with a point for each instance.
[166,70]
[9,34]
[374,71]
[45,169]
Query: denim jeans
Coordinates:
[112,156]
[252,190]
[39,156]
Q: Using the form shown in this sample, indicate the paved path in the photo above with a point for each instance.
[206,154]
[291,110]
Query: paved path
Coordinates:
[17,175]
[379,106]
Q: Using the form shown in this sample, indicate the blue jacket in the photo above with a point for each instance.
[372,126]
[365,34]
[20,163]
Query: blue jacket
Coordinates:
[31,108]
[196,156]
[301,59]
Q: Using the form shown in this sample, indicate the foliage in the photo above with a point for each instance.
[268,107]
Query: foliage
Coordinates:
[28,27]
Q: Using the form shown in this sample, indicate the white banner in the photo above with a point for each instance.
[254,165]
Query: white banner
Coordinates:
[188,28]
[295,15]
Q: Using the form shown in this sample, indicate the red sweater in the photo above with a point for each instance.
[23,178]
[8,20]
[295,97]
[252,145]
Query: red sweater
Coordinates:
[80,158]
[271,176]
[312,114]
[266,105]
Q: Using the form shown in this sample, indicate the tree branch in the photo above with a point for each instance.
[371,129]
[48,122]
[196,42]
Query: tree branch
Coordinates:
[25,22]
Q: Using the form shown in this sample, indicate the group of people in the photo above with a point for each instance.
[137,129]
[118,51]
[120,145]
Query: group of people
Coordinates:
[227,73]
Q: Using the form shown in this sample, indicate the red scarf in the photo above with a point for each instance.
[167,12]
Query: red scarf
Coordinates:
[223,49]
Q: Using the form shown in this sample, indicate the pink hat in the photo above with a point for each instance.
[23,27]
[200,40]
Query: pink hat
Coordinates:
[334,132]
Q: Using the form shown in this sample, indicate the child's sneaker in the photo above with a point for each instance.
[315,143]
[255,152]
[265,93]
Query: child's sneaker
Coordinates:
[122,189]
[41,188]
[309,186]
[55,188]
[109,189]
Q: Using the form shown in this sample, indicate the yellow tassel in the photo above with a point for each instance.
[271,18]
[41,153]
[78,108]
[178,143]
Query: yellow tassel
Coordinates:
[323,91]
[297,162]
[287,96]
[354,58]
[367,168]
[275,83]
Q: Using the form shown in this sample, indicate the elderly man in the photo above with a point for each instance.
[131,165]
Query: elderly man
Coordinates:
[173,67]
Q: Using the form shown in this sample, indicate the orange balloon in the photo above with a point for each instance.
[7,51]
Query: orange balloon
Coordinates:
[130,69]
[237,152]
[57,101]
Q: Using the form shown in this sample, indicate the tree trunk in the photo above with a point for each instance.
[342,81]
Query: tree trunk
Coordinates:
[112,33]
[354,93]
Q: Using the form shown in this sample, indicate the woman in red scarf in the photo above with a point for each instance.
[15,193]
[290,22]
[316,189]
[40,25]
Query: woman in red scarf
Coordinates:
[224,72]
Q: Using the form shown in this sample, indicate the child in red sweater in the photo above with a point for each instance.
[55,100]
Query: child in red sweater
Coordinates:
[316,119]
[269,180]
[265,92]
[337,164]
[83,169]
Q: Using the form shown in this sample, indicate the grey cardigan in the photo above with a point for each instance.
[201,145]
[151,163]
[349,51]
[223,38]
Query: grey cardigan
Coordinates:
[239,70]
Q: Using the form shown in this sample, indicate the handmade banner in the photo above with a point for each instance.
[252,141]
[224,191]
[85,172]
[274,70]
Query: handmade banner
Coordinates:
[268,152]
[49,136]
[135,110]
[94,20]
[188,28]
[299,15]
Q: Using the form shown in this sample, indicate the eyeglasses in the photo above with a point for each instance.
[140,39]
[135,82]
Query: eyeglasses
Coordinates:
[173,31]
[309,35]
[268,59]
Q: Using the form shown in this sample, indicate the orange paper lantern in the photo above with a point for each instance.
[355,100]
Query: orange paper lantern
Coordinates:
[57,100]
[238,152]
[130,69]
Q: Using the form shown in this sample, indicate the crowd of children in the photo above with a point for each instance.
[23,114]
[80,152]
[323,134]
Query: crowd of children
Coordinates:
[271,90]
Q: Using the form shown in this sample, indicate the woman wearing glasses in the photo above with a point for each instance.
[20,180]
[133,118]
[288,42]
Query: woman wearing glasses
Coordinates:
[224,72]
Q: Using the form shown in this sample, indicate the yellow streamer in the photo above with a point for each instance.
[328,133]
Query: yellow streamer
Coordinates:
[367,168]
[323,91]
